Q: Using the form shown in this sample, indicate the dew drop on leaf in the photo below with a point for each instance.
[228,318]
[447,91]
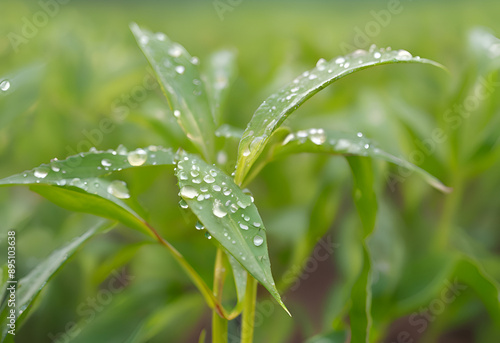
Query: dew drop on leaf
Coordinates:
[199,226]
[188,192]
[137,158]
[243,226]
[183,204]
[218,210]
[41,172]
[106,163]
[177,113]
[180,69]
[118,189]
[209,179]
[175,51]
[4,85]
[258,240]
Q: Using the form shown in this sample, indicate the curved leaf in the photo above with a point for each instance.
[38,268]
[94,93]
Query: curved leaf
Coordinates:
[75,183]
[277,107]
[31,285]
[181,82]
[229,216]
[334,142]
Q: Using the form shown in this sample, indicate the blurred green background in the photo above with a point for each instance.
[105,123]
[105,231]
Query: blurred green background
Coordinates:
[77,66]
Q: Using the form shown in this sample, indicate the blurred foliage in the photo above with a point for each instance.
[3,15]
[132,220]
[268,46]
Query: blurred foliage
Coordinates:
[79,80]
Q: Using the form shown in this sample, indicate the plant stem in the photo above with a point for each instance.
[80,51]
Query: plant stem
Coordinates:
[248,319]
[219,324]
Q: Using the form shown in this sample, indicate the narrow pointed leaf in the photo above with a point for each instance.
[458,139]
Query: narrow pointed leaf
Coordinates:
[75,183]
[277,107]
[229,131]
[229,216]
[31,285]
[219,74]
[333,142]
[179,76]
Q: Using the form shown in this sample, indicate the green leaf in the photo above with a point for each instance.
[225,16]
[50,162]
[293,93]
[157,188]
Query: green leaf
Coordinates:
[240,277]
[180,79]
[229,131]
[219,74]
[31,285]
[366,204]
[229,216]
[75,183]
[277,107]
[334,142]
[331,337]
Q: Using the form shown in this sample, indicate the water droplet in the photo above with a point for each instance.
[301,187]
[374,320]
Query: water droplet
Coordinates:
[183,204]
[161,36]
[177,113]
[342,144]
[246,218]
[183,176]
[243,226]
[217,209]
[208,235]
[312,77]
[294,89]
[209,178]
[377,55]
[194,173]
[340,60]
[121,150]
[188,192]
[201,197]
[5,85]
[246,151]
[258,240]
[403,55]
[199,226]
[366,146]
[41,172]
[226,191]
[216,188]
[346,65]
[144,40]
[180,69]
[358,53]
[213,172]
[256,224]
[106,163]
[320,62]
[318,137]
[197,181]
[234,208]
[288,139]
[118,189]
[137,158]
[175,51]
[55,168]
[359,134]
[195,60]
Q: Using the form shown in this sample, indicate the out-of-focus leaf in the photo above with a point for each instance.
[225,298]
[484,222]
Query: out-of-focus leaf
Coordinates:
[277,107]
[334,142]
[181,82]
[219,74]
[331,337]
[366,204]
[229,216]
[240,277]
[28,288]
[229,131]
[487,289]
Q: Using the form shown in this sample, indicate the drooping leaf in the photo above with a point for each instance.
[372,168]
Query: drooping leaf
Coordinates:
[334,142]
[277,107]
[180,79]
[75,183]
[219,74]
[229,216]
[31,285]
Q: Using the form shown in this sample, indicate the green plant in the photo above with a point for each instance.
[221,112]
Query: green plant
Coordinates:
[223,207]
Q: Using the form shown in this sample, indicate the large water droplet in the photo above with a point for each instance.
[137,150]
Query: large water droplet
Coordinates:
[180,69]
[377,55]
[243,226]
[403,55]
[5,85]
[318,137]
[137,158]
[216,188]
[218,210]
[188,192]
[340,60]
[118,189]
[258,240]
[41,172]
[177,113]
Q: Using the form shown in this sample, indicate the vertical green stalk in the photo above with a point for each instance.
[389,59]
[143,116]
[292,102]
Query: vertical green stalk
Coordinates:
[219,324]
[248,319]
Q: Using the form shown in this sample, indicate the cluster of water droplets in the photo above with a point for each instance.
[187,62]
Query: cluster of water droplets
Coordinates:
[202,186]
[316,136]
